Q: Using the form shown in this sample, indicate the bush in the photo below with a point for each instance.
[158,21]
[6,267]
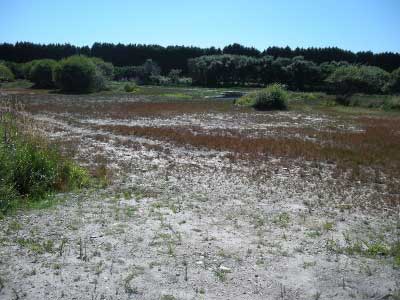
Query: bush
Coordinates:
[347,80]
[130,87]
[26,68]
[127,72]
[105,68]
[15,68]
[393,86]
[246,100]
[174,75]
[41,73]
[274,97]
[5,73]
[159,80]
[78,74]
[392,103]
[185,81]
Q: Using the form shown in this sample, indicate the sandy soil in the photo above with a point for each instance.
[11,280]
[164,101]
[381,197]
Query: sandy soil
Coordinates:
[185,223]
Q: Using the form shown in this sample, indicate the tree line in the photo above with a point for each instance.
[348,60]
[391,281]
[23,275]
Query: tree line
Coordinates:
[176,57]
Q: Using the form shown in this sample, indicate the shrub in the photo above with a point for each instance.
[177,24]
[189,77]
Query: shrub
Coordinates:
[174,75]
[246,100]
[78,74]
[392,103]
[127,72]
[130,87]
[347,80]
[185,81]
[15,68]
[26,68]
[5,73]
[41,73]
[274,97]
[159,80]
[105,68]
[393,86]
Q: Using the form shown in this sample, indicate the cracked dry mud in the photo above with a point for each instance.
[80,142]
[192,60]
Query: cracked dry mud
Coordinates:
[183,223]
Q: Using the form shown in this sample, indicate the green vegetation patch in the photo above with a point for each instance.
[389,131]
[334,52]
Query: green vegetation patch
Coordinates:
[31,169]
[5,74]
[274,97]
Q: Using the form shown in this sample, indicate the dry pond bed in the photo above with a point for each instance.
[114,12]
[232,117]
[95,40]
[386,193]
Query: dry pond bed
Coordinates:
[208,201]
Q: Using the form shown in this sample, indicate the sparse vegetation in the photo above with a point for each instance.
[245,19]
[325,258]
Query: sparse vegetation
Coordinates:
[193,186]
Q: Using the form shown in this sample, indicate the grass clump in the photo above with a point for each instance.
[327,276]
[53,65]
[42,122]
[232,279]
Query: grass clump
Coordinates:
[273,97]
[31,169]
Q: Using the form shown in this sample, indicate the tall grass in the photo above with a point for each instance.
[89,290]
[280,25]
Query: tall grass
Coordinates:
[30,168]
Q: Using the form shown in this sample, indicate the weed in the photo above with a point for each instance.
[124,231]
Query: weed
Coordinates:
[220,274]
[35,246]
[309,264]
[171,249]
[282,219]
[14,226]
[134,272]
[130,211]
[328,226]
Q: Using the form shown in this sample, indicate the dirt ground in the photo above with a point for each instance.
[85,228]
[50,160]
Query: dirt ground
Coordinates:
[178,221]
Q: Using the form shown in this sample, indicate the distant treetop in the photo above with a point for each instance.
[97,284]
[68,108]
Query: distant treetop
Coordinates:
[176,57]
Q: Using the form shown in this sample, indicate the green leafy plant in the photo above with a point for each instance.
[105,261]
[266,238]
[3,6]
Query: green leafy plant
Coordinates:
[41,73]
[347,80]
[393,85]
[274,97]
[5,73]
[78,74]
[130,87]
[31,169]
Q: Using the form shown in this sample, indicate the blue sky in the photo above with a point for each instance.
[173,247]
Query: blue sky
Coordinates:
[349,24]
